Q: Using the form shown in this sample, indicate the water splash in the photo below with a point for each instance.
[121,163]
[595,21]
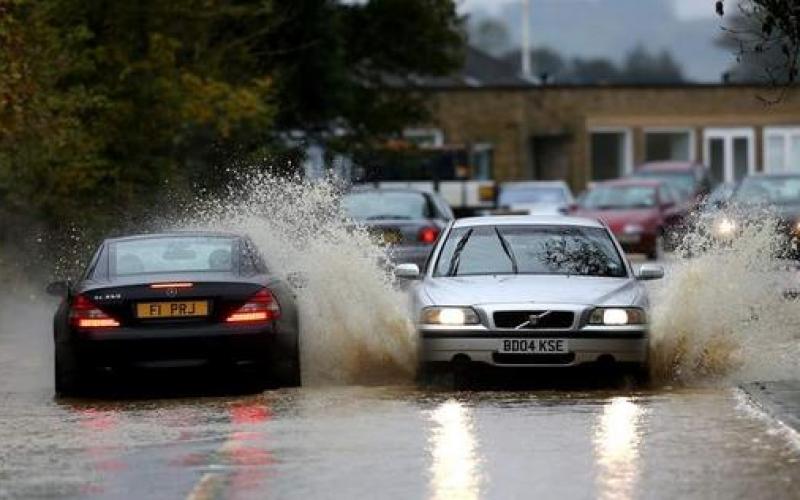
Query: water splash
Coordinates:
[354,323]
[721,316]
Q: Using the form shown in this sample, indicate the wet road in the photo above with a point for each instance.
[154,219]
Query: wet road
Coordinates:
[387,442]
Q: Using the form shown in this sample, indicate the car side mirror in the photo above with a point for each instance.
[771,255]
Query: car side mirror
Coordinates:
[59,288]
[407,271]
[649,272]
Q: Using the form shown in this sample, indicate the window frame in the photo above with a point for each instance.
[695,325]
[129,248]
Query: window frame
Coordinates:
[627,148]
[673,130]
[786,132]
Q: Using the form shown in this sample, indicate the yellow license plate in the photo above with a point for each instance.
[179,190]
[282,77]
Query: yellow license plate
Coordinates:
[182,309]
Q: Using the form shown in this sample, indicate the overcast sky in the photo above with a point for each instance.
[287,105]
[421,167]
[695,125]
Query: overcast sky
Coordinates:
[610,28]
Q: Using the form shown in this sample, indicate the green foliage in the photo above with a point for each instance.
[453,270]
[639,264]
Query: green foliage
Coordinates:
[107,105]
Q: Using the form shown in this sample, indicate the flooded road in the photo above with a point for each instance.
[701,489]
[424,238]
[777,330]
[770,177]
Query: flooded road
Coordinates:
[387,442]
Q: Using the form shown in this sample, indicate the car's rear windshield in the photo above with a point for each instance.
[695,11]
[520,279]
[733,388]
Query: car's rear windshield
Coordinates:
[507,249]
[610,197]
[769,190]
[513,195]
[173,255]
[379,205]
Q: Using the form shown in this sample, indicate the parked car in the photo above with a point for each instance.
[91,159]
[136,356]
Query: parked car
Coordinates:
[691,180]
[407,220]
[530,291]
[534,198]
[174,300]
[640,212]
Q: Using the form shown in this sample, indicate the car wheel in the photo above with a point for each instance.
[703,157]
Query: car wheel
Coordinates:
[287,367]
[68,377]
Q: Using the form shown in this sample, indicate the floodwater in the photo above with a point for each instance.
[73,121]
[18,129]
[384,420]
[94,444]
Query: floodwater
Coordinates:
[361,429]
[380,442]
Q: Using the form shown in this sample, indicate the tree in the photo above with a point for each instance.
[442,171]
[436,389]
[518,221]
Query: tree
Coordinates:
[645,68]
[767,33]
[107,101]
[491,36]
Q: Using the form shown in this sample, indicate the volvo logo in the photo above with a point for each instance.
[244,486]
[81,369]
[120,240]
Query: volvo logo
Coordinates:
[533,320]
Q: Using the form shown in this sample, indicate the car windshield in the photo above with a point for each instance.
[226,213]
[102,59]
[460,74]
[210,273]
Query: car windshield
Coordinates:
[172,254]
[683,182]
[386,205]
[771,190]
[608,197]
[546,250]
[512,195]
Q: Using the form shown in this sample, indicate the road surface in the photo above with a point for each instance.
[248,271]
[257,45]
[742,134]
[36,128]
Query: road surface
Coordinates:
[376,442]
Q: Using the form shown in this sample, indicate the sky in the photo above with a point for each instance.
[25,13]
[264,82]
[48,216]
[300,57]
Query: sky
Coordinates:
[610,28]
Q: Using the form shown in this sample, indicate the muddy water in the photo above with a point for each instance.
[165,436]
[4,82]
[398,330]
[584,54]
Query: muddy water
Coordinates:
[379,442]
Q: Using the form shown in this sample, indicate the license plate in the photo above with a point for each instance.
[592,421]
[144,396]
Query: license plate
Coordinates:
[533,346]
[182,309]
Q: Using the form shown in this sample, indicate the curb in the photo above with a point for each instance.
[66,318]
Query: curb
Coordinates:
[781,400]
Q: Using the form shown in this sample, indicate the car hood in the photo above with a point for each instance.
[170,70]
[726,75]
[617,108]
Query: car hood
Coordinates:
[506,289]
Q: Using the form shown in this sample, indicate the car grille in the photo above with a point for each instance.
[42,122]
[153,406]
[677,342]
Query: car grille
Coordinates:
[548,320]
[533,359]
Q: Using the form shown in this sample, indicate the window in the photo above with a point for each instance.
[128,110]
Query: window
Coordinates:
[424,137]
[611,154]
[377,205]
[729,153]
[782,149]
[173,254]
[669,145]
[565,250]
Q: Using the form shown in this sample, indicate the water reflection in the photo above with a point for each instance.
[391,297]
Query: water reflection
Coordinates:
[617,443]
[455,474]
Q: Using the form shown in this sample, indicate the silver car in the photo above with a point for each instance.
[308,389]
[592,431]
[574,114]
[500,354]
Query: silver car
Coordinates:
[530,291]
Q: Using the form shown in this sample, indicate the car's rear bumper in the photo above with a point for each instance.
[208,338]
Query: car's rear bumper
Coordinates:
[217,344]
[623,346]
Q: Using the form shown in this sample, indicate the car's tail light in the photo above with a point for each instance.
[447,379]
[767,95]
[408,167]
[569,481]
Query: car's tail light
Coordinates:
[428,235]
[83,313]
[259,308]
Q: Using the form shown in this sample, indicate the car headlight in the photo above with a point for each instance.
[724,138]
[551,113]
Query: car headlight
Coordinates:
[617,316]
[633,229]
[453,316]
[724,227]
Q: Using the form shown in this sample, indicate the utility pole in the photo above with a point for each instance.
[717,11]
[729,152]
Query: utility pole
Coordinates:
[526,40]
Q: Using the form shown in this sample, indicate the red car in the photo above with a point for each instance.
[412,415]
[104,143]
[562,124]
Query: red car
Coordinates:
[692,180]
[638,211]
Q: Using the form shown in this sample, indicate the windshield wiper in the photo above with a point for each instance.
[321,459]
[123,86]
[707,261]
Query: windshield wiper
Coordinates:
[456,259]
[507,249]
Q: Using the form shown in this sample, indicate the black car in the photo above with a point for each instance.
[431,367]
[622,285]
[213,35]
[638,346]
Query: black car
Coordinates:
[407,220]
[173,300]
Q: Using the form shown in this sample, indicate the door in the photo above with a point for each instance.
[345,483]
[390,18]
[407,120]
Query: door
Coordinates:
[729,153]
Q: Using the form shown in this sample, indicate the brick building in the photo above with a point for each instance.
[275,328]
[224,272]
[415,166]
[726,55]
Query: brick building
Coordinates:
[585,133]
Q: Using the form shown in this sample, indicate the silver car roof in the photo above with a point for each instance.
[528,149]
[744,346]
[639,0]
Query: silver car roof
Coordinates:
[532,220]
